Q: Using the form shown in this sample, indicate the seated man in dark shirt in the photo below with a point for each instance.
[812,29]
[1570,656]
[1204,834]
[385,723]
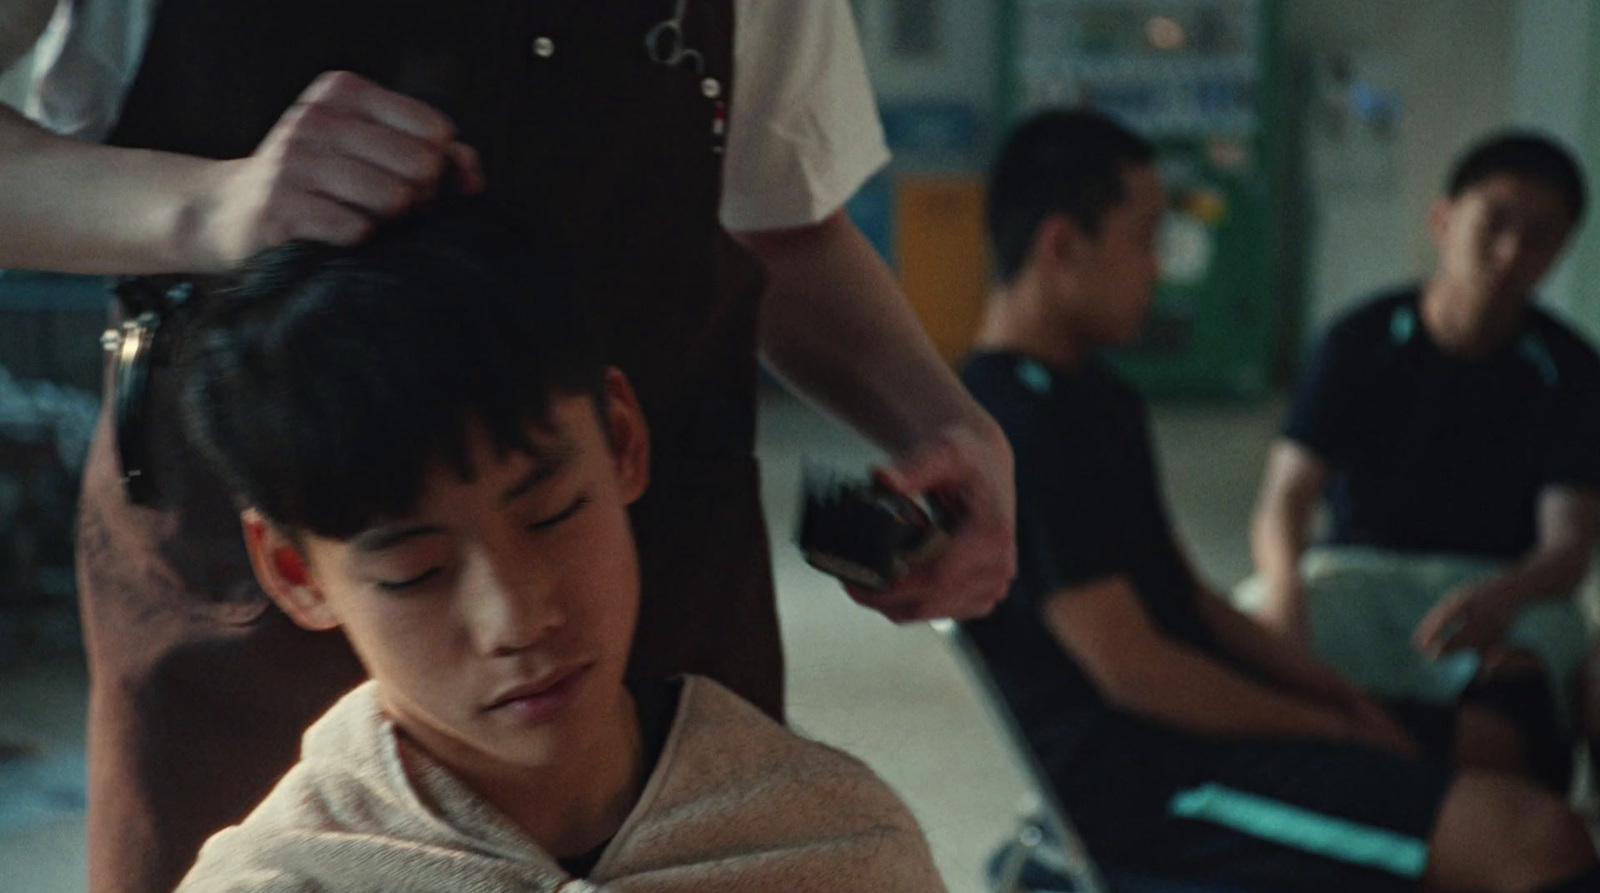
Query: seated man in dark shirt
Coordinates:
[1185,740]
[1455,431]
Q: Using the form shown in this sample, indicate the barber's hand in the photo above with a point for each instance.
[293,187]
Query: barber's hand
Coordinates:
[969,467]
[1474,617]
[346,155]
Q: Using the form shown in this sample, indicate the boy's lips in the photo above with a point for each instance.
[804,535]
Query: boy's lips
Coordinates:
[541,698]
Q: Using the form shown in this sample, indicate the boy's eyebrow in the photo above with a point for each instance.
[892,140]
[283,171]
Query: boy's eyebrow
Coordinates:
[381,538]
[546,462]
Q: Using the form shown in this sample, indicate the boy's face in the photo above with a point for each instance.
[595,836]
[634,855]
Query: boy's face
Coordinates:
[1496,240]
[1117,272]
[496,618]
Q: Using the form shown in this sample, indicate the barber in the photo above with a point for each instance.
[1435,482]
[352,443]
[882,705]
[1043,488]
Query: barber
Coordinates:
[181,138]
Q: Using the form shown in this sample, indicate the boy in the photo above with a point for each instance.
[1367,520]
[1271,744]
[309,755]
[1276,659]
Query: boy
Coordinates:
[472,540]
[1185,741]
[1455,429]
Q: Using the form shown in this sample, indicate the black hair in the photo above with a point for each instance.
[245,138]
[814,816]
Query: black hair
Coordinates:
[1057,162]
[324,381]
[1523,154]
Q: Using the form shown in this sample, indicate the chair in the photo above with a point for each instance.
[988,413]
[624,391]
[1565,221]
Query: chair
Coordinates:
[1046,854]
[1034,828]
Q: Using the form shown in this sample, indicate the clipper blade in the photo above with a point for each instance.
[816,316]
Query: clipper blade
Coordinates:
[862,532]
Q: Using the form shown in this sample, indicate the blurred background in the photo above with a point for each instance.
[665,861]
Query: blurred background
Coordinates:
[1301,141]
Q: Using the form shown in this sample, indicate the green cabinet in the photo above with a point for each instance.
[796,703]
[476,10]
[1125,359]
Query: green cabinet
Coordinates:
[1200,79]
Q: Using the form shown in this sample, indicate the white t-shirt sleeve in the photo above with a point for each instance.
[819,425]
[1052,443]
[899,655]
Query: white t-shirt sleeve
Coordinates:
[804,131]
[84,64]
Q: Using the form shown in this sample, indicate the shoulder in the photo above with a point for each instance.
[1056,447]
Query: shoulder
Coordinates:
[237,860]
[1005,377]
[1359,344]
[1573,355]
[334,788]
[259,854]
[745,796]
[1380,318]
[747,751]
[804,133]
[706,707]
[1015,389]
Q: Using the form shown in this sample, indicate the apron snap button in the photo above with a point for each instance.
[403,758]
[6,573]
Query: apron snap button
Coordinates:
[544,47]
[711,87]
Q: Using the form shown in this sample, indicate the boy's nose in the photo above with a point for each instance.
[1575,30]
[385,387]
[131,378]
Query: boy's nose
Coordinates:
[1509,249]
[509,611]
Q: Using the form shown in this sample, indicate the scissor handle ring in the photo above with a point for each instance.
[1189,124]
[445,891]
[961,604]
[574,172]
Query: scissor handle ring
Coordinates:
[663,43]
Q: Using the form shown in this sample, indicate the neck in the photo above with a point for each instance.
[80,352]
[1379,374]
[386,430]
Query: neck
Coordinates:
[1451,323]
[577,804]
[1018,319]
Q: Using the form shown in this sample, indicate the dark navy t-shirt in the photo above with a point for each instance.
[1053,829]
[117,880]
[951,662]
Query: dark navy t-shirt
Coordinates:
[1430,452]
[1089,507]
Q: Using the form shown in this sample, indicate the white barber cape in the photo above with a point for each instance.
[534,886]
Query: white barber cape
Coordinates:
[736,803]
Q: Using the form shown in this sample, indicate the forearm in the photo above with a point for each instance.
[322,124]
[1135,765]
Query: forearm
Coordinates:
[1277,540]
[837,328]
[1568,524]
[1548,574]
[77,207]
[1194,692]
[1289,665]
[1290,491]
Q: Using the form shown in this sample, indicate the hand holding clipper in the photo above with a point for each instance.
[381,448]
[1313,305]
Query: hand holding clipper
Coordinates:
[864,533]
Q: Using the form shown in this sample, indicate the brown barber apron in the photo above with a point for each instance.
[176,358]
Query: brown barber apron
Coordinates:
[200,689]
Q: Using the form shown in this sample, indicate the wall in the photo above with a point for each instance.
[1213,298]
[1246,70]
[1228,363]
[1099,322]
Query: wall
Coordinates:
[20,26]
[11,82]
[1460,68]
[1584,301]
[1451,63]
[1550,85]
[964,68]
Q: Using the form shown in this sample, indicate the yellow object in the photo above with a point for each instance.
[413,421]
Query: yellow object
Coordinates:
[943,256]
[1208,205]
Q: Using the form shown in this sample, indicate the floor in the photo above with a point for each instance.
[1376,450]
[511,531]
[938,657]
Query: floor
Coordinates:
[893,696]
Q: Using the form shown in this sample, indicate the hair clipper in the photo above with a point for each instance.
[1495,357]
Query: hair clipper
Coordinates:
[864,533]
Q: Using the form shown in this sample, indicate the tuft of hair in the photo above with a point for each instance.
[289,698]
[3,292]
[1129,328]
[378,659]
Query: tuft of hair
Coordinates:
[1057,162]
[1526,155]
[325,381]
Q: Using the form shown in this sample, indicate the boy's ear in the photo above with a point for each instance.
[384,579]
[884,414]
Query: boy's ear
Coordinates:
[1059,243]
[630,436]
[284,574]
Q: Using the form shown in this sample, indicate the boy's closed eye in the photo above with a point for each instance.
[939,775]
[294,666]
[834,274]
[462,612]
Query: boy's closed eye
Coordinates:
[575,506]
[415,580]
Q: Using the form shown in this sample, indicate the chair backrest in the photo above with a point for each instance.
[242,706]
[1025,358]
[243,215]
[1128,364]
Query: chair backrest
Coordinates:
[1085,876]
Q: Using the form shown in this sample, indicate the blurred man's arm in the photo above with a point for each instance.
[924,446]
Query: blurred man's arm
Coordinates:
[1478,615]
[1290,491]
[1297,670]
[836,326]
[346,154]
[1138,669]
